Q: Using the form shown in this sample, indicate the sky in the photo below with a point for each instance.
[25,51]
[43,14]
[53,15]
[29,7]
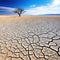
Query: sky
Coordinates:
[32,7]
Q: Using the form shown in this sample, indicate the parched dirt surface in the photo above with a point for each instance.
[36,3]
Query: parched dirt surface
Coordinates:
[30,38]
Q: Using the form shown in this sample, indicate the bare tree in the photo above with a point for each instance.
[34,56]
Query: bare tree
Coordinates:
[19,11]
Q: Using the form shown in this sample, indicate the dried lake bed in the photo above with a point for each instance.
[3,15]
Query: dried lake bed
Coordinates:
[30,38]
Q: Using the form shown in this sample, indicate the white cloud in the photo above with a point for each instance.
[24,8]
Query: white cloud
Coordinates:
[7,8]
[56,2]
[33,6]
[52,8]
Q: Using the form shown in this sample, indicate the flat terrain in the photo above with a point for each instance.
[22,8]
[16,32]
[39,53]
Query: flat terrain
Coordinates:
[30,38]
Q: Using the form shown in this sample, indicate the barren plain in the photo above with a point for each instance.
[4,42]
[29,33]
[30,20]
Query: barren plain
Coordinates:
[29,38]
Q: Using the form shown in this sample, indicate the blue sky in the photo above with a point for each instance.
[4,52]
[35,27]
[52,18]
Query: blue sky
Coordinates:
[32,7]
[23,3]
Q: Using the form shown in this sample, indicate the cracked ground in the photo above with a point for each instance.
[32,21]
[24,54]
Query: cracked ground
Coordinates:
[30,38]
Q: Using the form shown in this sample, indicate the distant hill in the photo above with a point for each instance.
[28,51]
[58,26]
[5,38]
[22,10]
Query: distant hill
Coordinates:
[51,14]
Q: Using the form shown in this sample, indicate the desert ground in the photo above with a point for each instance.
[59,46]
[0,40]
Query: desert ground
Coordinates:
[30,38]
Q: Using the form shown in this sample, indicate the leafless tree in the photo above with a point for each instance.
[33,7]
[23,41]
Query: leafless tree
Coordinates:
[19,11]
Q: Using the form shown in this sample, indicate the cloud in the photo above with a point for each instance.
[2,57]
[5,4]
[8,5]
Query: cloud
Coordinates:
[33,5]
[52,8]
[56,2]
[7,8]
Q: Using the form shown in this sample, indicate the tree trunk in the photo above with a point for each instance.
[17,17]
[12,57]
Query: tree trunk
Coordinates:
[19,14]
